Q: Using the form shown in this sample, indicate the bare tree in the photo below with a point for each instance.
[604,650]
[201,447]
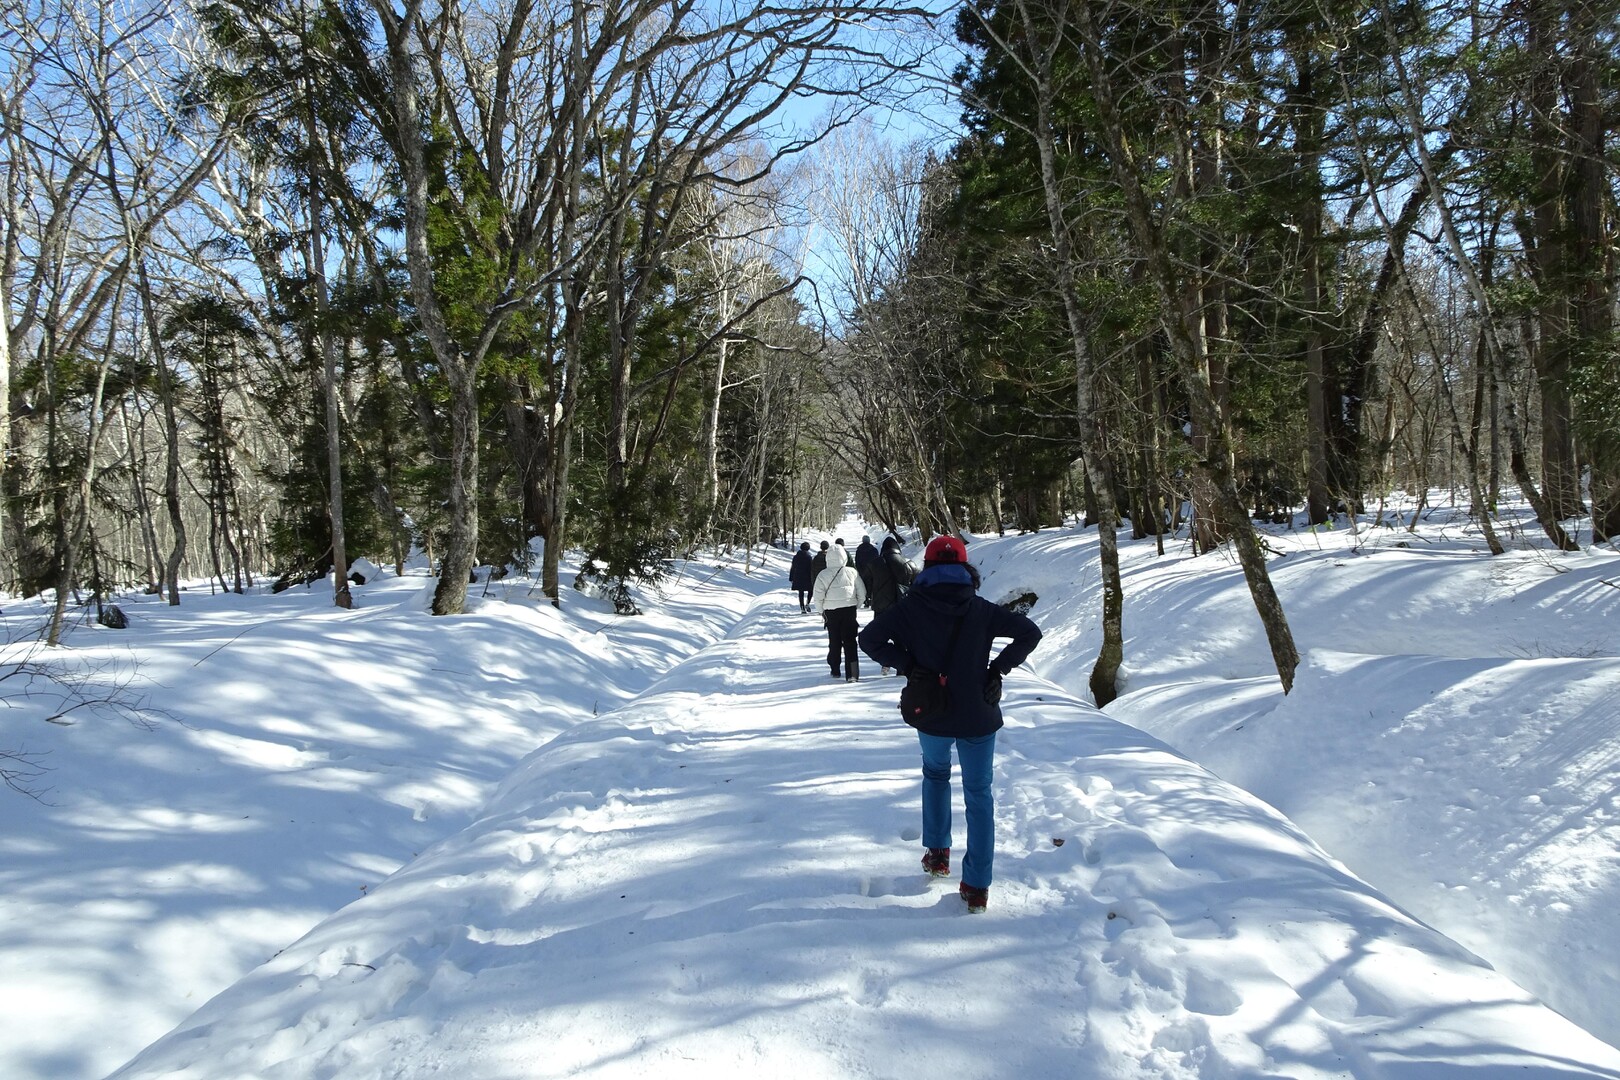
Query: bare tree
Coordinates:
[101,162]
[740,257]
[1430,169]
[891,385]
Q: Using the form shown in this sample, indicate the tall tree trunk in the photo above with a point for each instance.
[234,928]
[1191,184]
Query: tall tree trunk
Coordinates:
[1551,258]
[622,318]
[230,509]
[711,426]
[461,533]
[1495,481]
[1104,681]
[216,525]
[72,516]
[574,291]
[1185,330]
[168,392]
[525,430]
[1147,397]
[560,447]
[341,596]
[1318,498]
[1199,171]
[761,447]
[1476,422]
[5,395]
[460,366]
[1476,489]
[1593,256]
[1307,112]
[1518,452]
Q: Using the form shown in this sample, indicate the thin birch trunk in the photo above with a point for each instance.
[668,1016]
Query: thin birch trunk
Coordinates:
[341,596]
[168,392]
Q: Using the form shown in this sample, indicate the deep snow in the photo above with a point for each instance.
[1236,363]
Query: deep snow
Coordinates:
[710,866]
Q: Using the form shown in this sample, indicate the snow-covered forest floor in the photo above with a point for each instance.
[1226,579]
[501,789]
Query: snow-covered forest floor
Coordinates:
[525,842]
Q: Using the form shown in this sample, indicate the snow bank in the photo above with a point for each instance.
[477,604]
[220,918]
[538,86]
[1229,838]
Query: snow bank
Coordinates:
[721,878]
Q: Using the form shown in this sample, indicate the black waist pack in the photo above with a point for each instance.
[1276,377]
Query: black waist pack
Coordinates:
[924,698]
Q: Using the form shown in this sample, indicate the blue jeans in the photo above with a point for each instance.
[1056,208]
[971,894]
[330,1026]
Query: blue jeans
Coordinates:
[977,757]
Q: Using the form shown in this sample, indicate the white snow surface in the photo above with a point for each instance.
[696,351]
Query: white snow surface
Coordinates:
[530,842]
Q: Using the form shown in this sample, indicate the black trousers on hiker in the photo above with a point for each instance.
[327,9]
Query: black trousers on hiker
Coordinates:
[841,629]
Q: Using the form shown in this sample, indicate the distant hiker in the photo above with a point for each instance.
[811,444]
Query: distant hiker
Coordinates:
[801,577]
[888,577]
[819,563]
[939,635]
[838,593]
[865,557]
[881,592]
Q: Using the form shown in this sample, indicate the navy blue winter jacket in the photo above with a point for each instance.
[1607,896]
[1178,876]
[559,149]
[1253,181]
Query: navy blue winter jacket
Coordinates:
[917,632]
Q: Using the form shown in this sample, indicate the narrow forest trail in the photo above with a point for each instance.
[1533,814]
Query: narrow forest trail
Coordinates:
[720,878]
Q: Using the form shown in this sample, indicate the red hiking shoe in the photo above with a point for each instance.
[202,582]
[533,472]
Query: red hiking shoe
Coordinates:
[937,861]
[977,899]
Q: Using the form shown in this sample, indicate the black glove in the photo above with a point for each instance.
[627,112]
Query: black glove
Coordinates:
[992,685]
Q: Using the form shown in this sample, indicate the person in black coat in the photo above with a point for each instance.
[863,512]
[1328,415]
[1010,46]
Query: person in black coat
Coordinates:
[889,576]
[800,575]
[943,630]
[819,563]
[866,556]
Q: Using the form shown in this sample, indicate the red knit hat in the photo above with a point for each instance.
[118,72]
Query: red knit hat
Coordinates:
[945,549]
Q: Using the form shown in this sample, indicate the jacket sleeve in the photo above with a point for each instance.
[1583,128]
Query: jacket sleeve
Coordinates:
[876,641]
[1024,633]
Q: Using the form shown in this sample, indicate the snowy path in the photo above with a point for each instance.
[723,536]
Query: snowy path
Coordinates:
[720,879]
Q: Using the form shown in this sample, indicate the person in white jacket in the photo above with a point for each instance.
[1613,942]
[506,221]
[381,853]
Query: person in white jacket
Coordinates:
[838,595]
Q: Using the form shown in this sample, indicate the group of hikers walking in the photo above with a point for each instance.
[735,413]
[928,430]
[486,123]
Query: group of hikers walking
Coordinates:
[934,629]
[838,584]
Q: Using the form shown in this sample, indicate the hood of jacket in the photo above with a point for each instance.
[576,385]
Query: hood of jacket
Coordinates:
[837,557]
[946,588]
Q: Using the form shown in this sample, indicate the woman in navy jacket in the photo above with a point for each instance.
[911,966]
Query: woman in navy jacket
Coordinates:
[942,625]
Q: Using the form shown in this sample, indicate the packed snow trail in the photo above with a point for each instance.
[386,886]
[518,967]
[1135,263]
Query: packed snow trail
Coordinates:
[721,878]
